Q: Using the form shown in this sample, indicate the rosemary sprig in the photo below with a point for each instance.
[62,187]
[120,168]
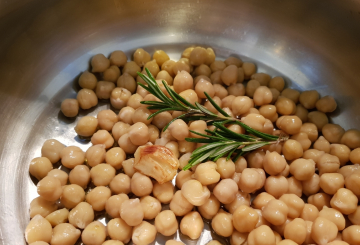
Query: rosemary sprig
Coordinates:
[221,142]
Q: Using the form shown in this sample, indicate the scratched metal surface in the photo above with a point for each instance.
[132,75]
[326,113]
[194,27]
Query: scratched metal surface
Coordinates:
[45,44]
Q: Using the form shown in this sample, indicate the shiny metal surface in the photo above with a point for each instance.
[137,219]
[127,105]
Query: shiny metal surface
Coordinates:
[45,44]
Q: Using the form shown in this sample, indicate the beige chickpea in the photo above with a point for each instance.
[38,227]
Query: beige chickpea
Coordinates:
[70,107]
[185,175]
[198,56]
[309,98]
[99,63]
[249,69]
[222,224]
[111,74]
[220,91]
[240,164]
[294,203]
[118,230]
[323,231]
[210,208]
[286,171]
[210,107]
[278,83]
[153,67]
[255,159]
[86,126]
[319,200]
[355,216]
[168,66]
[190,96]
[128,82]
[333,215]
[318,118]
[234,61]
[97,197]
[164,192]
[42,207]
[313,154]
[141,114]
[335,242]
[181,65]
[292,149]
[280,228]
[58,217]
[237,89]
[166,223]
[49,188]
[238,238]
[131,68]
[195,192]
[328,164]
[128,166]
[164,75]
[310,212]
[291,94]
[154,133]
[302,169]
[118,58]
[119,97]
[331,182]
[311,130]
[139,133]
[141,57]
[65,234]
[351,138]
[226,168]
[114,203]
[333,132]
[252,179]
[151,207]
[278,239]
[162,119]
[301,112]
[241,198]
[263,78]
[131,212]
[262,235]
[81,215]
[180,205]
[72,195]
[206,173]
[285,106]
[296,231]
[120,184]
[289,124]
[202,70]
[192,225]
[160,56]
[303,139]
[174,147]
[225,191]
[275,95]
[262,96]
[326,104]
[51,150]
[245,219]
[348,170]
[86,98]
[197,126]
[215,78]
[183,81]
[186,147]
[276,185]
[217,65]
[344,200]
[261,200]
[227,101]
[141,185]
[269,112]
[94,233]
[87,80]
[104,89]
[204,86]
[40,167]
[312,185]
[351,234]
[275,212]
[106,119]
[210,58]
[60,175]
[352,183]
[230,75]
[102,174]
[274,163]
[115,156]
[321,144]
[354,156]
[119,129]
[102,137]
[95,155]
[38,229]
[251,87]
[241,105]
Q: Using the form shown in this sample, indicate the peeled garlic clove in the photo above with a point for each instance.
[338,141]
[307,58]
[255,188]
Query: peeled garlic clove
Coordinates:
[156,161]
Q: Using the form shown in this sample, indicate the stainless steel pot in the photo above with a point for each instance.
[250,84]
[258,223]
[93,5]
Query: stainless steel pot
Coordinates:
[45,44]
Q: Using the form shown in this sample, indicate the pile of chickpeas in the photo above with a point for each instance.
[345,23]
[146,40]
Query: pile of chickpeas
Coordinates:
[301,191]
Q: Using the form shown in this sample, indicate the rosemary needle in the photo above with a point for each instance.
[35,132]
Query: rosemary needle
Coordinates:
[220,142]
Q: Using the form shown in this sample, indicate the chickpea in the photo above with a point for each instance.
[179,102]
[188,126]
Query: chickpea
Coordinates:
[245,219]
[38,229]
[252,179]
[119,97]
[99,63]
[351,234]
[278,83]
[301,113]
[141,185]
[323,231]
[296,231]
[210,107]
[278,239]
[166,223]
[354,156]
[233,61]
[102,137]
[351,138]
[51,150]
[273,163]
[303,139]
[311,130]
[102,174]
[141,57]
[222,224]
[111,74]
[180,205]
[60,175]
[319,200]
[269,112]
[104,90]
[106,119]
[151,207]
[217,65]
[183,176]
[139,133]
[322,145]
[162,119]
[241,105]
[333,132]
[344,200]
[294,186]
[153,67]
[276,185]
[251,87]
[291,94]
[65,234]
[313,154]
[241,198]
[204,86]
[312,185]
[81,215]
[72,195]
[292,149]
[318,118]
[286,171]
[230,75]
[197,126]
[262,235]
[202,70]
[128,166]
[285,106]
[355,216]
[49,188]
[275,94]
[86,126]
[328,164]
[238,238]
[120,184]
[249,69]
[119,230]
[205,173]
[87,80]
[58,217]
[215,78]
[86,98]
[227,101]
[168,66]
[275,212]
[263,78]
[331,182]
[119,129]
[352,183]
[94,233]
[125,114]
[294,203]
[115,156]
[262,96]
[225,191]
[333,215]
[261,200]
[42,207]
[347,170]
[186,147]
[95,155]
[280,228]
[198,56]
[40,167]
[210,58]
[118,58]
[70,107]
[338,243]
[192,225]
[226,168]
[131,68]
[183,81]
[163,192]
[131,212]
[141,114]
[310,212]
[195,193]
[326,104]
[164,75]
[113,204]
[289,124]
[97,197]
[302,169]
